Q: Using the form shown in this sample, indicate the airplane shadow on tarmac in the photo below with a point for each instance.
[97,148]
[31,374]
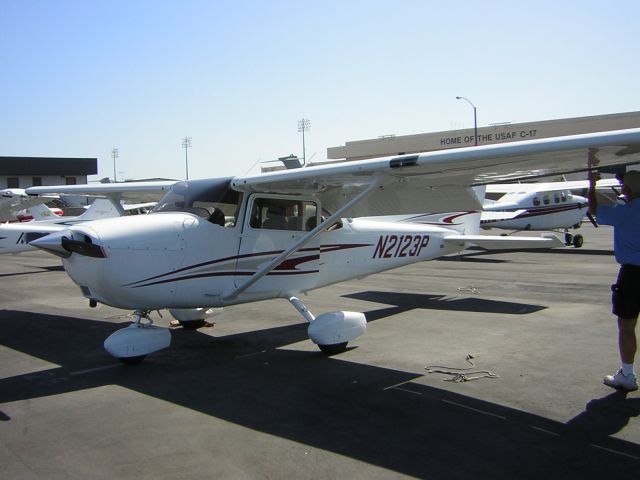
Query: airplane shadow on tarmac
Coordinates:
[327,403]
[56,268]
[404,302]
[476,254]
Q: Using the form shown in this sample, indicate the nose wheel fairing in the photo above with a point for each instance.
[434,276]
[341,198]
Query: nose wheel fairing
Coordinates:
[133,343]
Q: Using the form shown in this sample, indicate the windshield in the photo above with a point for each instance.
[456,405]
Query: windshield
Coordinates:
[214,200]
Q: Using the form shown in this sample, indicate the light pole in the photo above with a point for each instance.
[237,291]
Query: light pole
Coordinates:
[186,144]
[114,154]
[304,125]
[475,120]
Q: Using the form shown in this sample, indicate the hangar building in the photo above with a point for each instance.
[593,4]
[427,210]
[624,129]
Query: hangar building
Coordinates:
[500,133]
[24,172]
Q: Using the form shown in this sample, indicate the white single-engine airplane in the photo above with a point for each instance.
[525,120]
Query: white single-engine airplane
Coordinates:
[540,206]
[225,241]
[15,200]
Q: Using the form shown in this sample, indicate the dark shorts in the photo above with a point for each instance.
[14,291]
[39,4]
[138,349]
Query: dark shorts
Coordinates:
[626,292]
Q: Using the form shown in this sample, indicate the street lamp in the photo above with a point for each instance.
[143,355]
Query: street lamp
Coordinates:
[114,155]
[186,144]
[304,125]
[475,120]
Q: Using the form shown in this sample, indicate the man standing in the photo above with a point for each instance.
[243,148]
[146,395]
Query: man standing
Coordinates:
[625,220]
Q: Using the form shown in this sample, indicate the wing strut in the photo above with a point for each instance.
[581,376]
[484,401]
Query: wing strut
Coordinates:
[303,241]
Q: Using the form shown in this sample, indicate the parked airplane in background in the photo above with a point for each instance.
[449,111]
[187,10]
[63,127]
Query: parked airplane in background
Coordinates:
[15,237]
[225,241]
[14,200]
[38,213]
[540,206]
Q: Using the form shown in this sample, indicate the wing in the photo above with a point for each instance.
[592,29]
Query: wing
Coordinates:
[133,191]
[441,180]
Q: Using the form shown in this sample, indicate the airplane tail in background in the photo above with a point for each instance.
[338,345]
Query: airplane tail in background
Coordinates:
[39,212]
[101,208]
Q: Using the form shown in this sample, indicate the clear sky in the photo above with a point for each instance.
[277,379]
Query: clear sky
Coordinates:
[81,77]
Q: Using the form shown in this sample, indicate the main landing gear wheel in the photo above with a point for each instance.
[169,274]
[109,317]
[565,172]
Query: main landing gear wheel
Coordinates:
[568,239]
[333,349]
[132,360]
[578,241]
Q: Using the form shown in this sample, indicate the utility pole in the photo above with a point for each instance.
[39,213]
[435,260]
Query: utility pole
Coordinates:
[186,144]
[114,154]
[304,125]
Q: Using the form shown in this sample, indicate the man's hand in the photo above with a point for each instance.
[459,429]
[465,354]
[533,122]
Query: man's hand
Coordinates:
[594,176]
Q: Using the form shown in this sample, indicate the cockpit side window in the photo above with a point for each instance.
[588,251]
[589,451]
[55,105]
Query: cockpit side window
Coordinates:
[283,214]
[213,200]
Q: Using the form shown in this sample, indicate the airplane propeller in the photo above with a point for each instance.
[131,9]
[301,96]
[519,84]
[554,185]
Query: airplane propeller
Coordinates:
[592,219]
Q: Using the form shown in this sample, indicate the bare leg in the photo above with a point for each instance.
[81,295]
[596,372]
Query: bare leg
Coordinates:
[627,339]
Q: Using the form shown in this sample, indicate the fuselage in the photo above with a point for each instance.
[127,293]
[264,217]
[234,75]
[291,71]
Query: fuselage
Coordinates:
[181,260]
[538,211]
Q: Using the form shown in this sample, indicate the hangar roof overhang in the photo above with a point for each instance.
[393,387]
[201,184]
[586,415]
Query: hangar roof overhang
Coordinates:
[48,166]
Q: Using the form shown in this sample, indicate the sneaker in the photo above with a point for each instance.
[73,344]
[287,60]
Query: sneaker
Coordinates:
[620,380]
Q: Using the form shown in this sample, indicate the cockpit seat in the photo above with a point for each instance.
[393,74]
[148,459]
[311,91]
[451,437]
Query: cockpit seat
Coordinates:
[275,219]
[217,217]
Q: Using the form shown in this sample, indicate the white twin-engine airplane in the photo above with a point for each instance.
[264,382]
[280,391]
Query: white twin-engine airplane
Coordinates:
[226,241]
[540,206]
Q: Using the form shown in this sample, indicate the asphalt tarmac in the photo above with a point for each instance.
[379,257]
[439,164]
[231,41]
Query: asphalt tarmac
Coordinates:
[253,398]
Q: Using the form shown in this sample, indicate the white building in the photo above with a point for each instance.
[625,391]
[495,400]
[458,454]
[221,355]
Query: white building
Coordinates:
[24,172]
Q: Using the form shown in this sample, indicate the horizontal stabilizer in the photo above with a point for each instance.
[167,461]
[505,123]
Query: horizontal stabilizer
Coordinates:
[498,242]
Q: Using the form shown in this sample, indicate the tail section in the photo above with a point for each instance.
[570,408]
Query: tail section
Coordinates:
[102,208]
[467,223]
[40,212]
[463,222]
